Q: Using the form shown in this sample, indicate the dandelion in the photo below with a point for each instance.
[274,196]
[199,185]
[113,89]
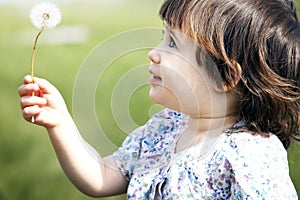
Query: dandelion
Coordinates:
[42,16]
[45,15]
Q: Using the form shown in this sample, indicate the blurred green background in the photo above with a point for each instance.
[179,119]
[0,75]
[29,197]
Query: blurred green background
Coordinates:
[28,167]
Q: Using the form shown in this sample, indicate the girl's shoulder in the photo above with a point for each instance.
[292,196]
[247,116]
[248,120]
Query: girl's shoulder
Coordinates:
[246,150]
[256,162]
[248,144]
[241,145]
[255,167]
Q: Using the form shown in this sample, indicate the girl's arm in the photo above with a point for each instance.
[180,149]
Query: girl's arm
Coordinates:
[81,163]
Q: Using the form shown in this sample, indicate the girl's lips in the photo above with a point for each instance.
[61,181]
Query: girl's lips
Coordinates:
[155,79]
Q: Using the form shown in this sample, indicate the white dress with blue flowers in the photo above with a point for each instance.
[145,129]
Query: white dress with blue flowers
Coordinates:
[239,166]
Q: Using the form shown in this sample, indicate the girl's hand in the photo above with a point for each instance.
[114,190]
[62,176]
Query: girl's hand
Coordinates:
[46,106]
[95,177]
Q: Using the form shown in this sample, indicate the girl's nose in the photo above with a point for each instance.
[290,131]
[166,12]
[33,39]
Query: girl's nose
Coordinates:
[154,56]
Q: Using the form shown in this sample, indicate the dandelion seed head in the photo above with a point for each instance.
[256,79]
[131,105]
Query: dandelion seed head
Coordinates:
[45,15]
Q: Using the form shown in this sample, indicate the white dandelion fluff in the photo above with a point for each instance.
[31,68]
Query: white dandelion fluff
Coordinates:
[45,15]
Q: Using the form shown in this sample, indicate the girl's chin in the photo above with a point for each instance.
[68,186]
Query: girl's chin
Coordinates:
[160,96]
[154,94]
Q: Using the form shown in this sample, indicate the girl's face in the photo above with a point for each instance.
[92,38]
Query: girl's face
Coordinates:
[178,81]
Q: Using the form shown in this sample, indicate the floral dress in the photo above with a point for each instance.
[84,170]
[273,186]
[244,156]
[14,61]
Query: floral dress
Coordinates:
[237,166]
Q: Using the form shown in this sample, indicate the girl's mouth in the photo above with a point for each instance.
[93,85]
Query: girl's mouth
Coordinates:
[157,77]
[154,80]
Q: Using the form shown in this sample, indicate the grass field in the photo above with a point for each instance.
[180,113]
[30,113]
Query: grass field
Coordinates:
[28,167]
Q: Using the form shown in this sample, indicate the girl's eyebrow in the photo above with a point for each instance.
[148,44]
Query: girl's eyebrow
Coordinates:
[173,34]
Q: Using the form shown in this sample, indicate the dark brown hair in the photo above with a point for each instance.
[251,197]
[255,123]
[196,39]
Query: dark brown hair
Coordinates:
[263,37]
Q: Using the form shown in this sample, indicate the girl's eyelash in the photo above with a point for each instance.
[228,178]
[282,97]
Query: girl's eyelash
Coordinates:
[172,43]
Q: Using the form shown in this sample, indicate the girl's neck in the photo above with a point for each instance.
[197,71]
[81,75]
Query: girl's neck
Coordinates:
[204,129]
[200,125]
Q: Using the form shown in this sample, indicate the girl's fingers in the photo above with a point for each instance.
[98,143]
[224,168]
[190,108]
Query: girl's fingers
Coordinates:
[39,99]
[30,112]
[27,101]
[38,85]
[45,86]
[27,79]
[27,89]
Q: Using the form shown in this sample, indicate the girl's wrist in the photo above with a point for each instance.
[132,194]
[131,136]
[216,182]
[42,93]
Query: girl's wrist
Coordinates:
[62,121]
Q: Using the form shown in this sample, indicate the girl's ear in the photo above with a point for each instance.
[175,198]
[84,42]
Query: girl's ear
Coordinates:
[236,71]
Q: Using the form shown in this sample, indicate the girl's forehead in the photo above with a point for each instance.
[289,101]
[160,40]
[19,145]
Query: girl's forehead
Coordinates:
[166,26]
[176,32]
[186,33]
[171,29]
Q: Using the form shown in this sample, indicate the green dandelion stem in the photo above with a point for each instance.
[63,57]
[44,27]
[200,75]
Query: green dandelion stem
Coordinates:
[32,61]
[33,55]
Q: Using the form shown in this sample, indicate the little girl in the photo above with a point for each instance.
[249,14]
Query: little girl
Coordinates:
[227,73]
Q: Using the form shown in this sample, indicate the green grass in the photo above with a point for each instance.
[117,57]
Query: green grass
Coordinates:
[28,167]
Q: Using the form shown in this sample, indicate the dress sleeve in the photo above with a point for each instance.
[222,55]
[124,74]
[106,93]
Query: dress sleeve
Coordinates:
[260,168]
[146,145]
[127,155]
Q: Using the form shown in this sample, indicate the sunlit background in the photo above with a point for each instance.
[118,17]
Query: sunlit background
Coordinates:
[29,169]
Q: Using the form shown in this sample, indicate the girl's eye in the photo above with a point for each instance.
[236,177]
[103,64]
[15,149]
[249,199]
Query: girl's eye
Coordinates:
[172,43]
